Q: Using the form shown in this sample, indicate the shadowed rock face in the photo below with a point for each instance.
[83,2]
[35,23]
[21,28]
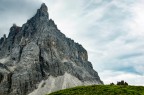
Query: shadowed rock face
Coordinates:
[37,58]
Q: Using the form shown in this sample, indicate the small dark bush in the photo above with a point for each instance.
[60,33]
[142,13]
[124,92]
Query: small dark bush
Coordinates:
[122,83]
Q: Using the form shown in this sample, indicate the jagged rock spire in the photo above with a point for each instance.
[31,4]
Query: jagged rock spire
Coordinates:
[38,55]
[43,7]
[42,13]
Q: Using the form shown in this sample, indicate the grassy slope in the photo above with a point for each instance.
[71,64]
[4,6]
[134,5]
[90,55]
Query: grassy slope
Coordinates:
[102,90]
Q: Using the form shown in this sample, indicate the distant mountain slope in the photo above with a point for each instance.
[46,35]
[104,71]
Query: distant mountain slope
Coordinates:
[102,90]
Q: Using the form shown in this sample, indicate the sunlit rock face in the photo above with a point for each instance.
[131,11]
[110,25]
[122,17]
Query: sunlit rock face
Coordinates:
[37,58]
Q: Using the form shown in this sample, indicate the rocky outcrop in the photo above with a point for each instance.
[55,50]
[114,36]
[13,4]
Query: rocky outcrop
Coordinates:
[37,58]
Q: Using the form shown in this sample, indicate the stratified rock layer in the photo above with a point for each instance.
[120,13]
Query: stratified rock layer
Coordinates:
[37,58]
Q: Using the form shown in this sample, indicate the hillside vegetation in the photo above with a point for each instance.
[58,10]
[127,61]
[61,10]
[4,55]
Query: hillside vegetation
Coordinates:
[102,90]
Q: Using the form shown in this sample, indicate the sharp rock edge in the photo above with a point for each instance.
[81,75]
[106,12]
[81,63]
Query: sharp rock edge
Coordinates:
[37,58]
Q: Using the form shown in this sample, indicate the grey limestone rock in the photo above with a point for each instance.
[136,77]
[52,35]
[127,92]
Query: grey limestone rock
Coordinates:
[37,58]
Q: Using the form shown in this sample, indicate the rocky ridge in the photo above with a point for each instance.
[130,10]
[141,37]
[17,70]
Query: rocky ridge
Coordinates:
[37,58]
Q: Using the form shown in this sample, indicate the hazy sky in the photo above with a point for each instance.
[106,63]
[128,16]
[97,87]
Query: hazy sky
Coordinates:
[112,31]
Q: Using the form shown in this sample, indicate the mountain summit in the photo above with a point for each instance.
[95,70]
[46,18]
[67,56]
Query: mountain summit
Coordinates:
[42,12]
[37,58]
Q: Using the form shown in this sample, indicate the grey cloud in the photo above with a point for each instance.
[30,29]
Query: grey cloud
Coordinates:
[131,55]
[16,11]
[128,69]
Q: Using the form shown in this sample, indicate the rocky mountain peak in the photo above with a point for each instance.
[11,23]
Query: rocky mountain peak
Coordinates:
[37,58]
[42,13]
[43,7]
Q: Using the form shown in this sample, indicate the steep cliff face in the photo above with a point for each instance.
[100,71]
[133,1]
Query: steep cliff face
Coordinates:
[37,58]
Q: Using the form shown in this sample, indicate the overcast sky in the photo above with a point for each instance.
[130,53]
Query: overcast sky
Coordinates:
[112,31]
